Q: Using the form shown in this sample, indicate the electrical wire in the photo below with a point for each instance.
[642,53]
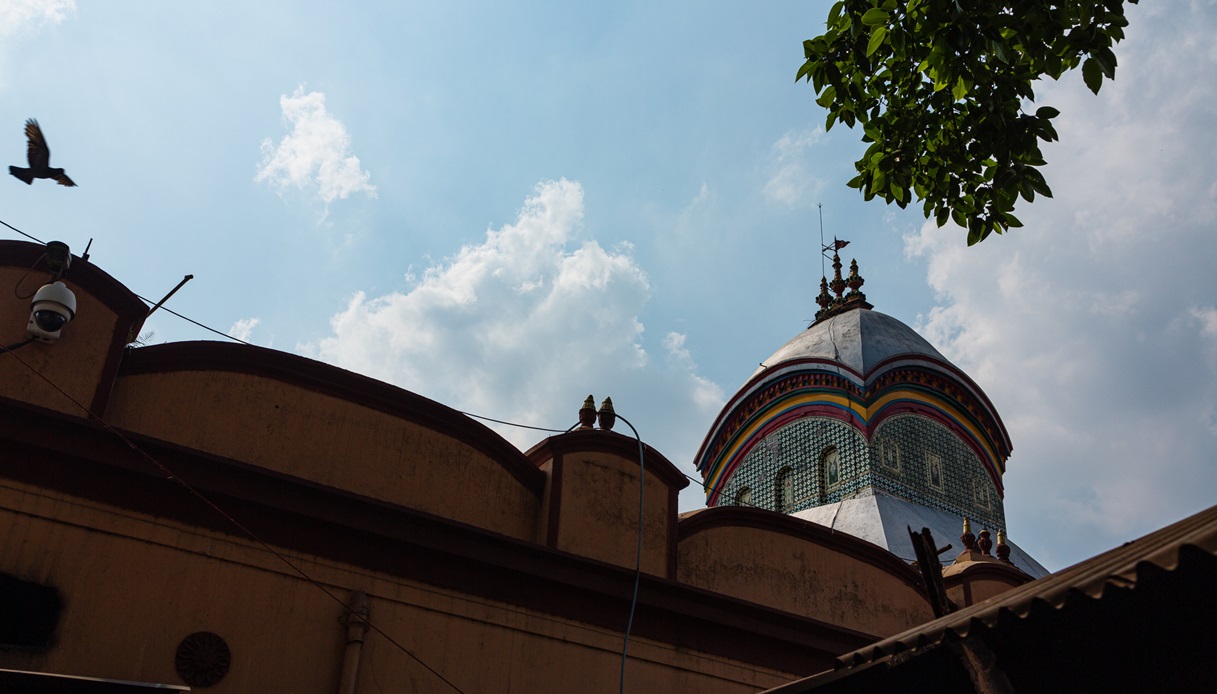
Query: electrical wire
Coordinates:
[629,625]
[513,424]
[249,533]
[21,279]
[467,414]
[16,345]
[195,322]
[10,226]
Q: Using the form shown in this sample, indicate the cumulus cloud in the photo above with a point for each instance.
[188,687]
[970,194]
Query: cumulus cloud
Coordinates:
[1093,329]
[315,156]
[523,326]
[20,15]
[243,328]
[21,19]
[790,183]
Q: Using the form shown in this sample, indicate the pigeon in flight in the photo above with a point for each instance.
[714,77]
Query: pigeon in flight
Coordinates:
[39,156]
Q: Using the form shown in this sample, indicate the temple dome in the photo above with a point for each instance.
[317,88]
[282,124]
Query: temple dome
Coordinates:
[859,340]
[860,424]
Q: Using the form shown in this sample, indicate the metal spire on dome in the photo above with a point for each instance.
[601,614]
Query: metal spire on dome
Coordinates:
[839,301]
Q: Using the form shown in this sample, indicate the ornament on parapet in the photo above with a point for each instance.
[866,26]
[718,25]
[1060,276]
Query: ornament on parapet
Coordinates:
[1002,549]
[587,413]
[607,416]
[984,542]
[967,538]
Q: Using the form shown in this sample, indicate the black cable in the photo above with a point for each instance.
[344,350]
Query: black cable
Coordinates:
[22,279]
[513,424]
[629,625]
[191,320]
[10,226]
[16,345]
[467,414]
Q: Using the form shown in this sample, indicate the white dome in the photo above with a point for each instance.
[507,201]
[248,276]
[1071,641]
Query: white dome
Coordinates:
[859,340]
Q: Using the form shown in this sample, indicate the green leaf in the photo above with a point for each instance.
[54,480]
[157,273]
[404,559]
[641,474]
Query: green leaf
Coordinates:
[976,234]
[874,17]
[829,95]
[1107,61]
[834,14]
[1092,74]
[876,40]
[878,183]
[1036,179]
[960,90]
[940,86]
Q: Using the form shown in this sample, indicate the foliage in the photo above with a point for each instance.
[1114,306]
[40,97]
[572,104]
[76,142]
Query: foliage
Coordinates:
[939,88]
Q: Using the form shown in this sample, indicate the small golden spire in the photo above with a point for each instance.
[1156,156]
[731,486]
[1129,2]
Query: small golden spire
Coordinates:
[967,538]
[608,417]
[1002,549]
[587,413]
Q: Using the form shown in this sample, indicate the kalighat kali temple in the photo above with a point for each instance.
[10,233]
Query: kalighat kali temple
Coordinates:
[206,515]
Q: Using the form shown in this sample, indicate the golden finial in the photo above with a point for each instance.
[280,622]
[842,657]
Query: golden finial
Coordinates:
[608,417]
[587,413]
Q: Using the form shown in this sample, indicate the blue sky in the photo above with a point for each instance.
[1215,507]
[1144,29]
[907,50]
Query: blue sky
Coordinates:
[506,207]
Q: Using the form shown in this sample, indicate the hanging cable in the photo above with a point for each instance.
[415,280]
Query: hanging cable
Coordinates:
[16,345]
[195,322]
[10,226]
[629,625]
[513,424]
[237,524]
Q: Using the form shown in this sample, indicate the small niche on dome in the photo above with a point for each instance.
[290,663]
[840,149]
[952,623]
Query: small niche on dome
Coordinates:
[980,494]
[783,491]
[933,472]
[888,453]
[830,464]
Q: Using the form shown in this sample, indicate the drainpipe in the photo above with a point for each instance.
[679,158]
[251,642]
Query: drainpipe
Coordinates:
[356,621]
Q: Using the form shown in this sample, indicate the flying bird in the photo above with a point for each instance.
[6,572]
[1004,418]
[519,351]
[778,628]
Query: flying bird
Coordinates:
[39,156]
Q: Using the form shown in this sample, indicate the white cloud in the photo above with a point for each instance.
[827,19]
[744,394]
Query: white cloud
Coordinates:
[243,328]
[522,326]
[788,181]
[20,15]
[708,396]
[1092,329]
[21,19]
[316,155]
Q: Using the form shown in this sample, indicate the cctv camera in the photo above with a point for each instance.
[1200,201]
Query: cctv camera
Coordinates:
[53,306]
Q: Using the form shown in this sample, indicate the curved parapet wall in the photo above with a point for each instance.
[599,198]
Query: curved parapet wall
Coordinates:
[800,567]
[309,420]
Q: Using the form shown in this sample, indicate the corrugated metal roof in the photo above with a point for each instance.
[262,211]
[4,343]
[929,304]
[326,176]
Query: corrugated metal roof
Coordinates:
[1150,631]
[1118,567]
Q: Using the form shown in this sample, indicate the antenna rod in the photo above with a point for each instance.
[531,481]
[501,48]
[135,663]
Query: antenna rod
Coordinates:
[173,291]
[820,207]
